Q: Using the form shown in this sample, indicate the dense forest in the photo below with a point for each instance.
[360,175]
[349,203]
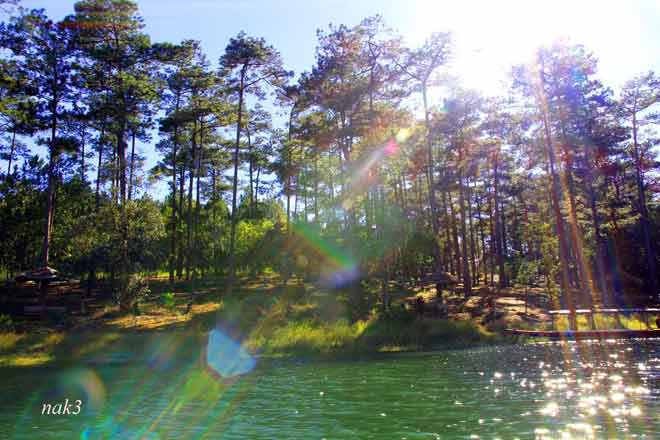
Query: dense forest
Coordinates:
[375,167]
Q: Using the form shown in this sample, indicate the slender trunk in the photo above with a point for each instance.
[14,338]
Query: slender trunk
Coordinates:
[454,232]
[191,177]
[115,173]
[367,211]
[131,167]
[431,183]
[91,277]
[256,186]
[584,273]
[288,169]
[126,303]
[198,167]
[596,222]
[50,193]
[172,259]
[295,202]
[214,215]
[182,184]
[82,156]
[644,214]
[503,236]
[234,213]
[121,172]
[473,252]
[559,221]
[499,250]
[404,193]
[250,167]
[493,238]
[449,258]
[11,152]
[316,189]
[482,238]
[467,280]
[98,170]
[331,189]
[305,202]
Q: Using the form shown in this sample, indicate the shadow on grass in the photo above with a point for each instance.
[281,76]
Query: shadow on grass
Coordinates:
[266,318]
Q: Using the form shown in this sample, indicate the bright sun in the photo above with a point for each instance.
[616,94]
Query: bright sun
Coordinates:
[490,36]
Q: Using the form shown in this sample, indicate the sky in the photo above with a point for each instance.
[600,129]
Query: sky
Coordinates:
[490,36]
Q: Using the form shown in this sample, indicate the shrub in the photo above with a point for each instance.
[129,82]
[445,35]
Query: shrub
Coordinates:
[6,324]
[168,301]
[136,288]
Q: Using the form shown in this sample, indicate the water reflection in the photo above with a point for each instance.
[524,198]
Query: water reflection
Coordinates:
[543,391]
[596,390]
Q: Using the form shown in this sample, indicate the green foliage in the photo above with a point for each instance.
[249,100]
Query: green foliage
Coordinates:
[136,289]
[527,272]
[544,186]
[168,300]
[249,235]
[309,338]
[6,323]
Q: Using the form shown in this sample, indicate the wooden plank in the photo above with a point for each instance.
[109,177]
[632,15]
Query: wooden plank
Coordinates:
[604,311]
[587,334]
[37,309]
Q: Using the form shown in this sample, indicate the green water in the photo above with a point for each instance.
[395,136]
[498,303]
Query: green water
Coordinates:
[162,388]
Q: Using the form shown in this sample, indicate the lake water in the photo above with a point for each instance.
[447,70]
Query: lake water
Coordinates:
[165,388]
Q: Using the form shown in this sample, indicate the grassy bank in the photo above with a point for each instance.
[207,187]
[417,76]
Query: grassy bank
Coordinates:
[270,320]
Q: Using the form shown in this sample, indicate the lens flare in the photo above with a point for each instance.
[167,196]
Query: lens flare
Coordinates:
[161,352]
[87,382]
[338,268]
[403,135]
[227,357]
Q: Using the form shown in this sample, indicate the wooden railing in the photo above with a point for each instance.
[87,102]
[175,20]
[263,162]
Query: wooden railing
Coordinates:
[645,312]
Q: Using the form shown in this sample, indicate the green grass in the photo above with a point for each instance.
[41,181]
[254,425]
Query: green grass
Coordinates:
[307,337]
[22,349]
[271,320]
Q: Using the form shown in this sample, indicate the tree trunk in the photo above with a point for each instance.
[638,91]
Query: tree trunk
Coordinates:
[191,177]
[559,221]
[467,280]
[131,167]
[493,238]
[126,303]
[473,251]
[649,249]
[483,240]
[91,276]
[499,250]
[182,188]
[198,172]
[431,183]
[596,224]
[98,170]
[316,189]
[234,213]
[250,167]
[172,259]
[256,186]
[454,232]
[449,257]
[82,156]
[577,242]
[11,152]
[50,193]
